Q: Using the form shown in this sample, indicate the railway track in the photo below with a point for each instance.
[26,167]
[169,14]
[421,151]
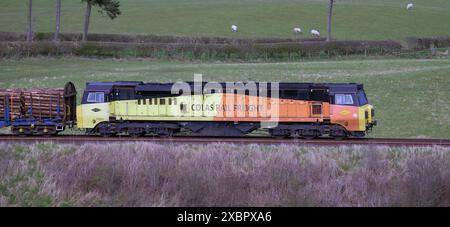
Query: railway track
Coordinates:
[79,139]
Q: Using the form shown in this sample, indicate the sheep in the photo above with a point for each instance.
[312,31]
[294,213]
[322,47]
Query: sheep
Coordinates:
[297,30]
[409,6]
[315,33]
[234,28]
[442,54]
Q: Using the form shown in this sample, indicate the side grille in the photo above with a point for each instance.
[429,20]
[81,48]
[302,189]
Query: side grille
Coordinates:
[373,113]
[316,109]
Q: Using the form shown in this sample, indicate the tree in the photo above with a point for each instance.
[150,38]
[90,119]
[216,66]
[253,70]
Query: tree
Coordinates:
[58,20]
[330,13]
[110,7]
[29,20]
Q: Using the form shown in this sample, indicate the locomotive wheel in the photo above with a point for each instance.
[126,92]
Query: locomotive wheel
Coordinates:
[279,134]
[338,132]
[339,137]
[309,137]
[165,133]
[104,130]
[136,132]
[105,134]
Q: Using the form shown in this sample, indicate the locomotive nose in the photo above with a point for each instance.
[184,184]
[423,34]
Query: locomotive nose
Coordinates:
[370,118]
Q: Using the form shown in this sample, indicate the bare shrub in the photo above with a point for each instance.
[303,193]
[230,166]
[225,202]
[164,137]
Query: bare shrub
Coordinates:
[146,174]
[199,48]
[426,180]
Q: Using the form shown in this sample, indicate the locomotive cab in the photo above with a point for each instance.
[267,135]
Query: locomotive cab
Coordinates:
[350,108]
[98,103]
[94,106]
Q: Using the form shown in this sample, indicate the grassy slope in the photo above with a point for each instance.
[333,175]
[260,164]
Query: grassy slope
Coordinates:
[410,96]
[354,19]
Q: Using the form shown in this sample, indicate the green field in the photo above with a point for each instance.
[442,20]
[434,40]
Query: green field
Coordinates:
[410,96]
[354,19]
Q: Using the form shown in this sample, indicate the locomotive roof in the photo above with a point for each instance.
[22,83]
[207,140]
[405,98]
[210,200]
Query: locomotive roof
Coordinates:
[107,86]
[166,87]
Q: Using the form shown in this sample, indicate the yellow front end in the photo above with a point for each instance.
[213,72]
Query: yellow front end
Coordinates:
[366,117]
[89,115]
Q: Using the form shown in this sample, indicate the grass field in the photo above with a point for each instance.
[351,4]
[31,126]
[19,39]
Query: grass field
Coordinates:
[354,19]
[146,174]
[410,96]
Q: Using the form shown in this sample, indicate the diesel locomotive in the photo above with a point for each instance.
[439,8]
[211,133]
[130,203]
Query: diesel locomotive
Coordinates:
[304,110]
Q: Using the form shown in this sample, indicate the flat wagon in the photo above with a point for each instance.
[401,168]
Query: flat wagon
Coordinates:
[38,111]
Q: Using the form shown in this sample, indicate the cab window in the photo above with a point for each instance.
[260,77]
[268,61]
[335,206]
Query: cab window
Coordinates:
[362,98]
[96,97]
[343,99]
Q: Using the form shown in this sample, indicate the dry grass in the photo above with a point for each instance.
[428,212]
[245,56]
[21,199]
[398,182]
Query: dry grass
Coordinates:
[144,174]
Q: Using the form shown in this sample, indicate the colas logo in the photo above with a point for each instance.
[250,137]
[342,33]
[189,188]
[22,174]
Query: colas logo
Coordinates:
[344,112]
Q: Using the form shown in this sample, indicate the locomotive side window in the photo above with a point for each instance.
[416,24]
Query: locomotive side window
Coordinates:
[124,94]
[289,94]
[303,95]
[296,94]
[343,99]
[96,97]
[319,95]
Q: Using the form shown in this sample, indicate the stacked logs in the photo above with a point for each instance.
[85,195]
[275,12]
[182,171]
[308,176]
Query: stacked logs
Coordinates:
[33,103]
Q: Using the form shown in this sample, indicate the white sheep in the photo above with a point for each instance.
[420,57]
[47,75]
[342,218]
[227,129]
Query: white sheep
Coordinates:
[409,6]
[297,30]
[234,28]
[315,33]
